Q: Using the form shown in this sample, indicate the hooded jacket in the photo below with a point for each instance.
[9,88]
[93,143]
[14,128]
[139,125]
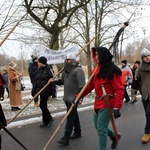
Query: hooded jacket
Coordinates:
[107,74]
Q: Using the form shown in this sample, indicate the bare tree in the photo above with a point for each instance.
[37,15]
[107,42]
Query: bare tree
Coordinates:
[49,14]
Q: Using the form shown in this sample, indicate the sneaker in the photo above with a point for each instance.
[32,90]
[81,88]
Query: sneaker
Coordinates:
[36,104]
[63,141]
[145,138]
[50,123]
[114,141]
[76,135]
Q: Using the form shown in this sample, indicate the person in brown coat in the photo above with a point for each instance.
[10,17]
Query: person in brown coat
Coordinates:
[14,86]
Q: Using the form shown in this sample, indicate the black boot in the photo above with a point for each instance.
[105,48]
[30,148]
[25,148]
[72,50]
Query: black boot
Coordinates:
[114,141]
[76,135]
[63,141]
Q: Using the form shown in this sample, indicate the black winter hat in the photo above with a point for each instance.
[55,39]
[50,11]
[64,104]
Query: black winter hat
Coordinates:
[137,62]
[124,61]
[42,60]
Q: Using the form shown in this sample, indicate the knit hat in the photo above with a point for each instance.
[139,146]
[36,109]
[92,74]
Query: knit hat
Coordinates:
[33,57]
[12,65]
[137,62]
[124,61]
[43,60]
[145,52]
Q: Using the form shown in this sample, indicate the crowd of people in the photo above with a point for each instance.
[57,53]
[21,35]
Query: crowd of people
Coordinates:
[107,76]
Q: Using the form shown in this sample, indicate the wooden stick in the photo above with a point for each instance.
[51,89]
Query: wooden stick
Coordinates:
[11,31]
[69,111]
[49,83]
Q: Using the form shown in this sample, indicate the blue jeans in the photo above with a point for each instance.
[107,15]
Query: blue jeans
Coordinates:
[101,122]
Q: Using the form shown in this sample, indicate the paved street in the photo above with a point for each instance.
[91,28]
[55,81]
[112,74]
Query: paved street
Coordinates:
[130,124]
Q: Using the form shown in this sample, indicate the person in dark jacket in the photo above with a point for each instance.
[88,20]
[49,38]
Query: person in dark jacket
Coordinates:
[135,86]
[43,74]
[3,122]
[33,66]
[73,79]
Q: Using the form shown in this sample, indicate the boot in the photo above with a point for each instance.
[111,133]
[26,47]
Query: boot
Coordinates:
[63,141]
[15,108]
[114,141]
[145,138]
[76,135]
[36,104]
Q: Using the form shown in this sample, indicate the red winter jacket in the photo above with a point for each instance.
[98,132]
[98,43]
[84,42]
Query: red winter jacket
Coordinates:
[113,87]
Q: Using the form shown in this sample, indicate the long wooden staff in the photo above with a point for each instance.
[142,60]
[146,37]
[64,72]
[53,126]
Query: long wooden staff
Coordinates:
[12,30]
[69,111]
[48,82]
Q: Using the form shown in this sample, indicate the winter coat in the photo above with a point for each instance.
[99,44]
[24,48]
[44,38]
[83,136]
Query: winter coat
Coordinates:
[43,74]
[2,117]
[32,71]
[73,82]
[113,87]
[127,76]
[135,84]
[14,88]
[5,76]
[144,78]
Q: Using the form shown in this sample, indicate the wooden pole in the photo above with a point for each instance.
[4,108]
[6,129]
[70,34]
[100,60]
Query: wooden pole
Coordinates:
[69,111]
[11,31]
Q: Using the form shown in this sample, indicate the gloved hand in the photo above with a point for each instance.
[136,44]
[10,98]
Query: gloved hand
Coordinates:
[117,113]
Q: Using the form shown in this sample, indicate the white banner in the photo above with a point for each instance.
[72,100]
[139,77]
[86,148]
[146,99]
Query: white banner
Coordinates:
[57,56]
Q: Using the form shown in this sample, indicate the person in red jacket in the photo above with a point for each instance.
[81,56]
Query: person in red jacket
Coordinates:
[108,75]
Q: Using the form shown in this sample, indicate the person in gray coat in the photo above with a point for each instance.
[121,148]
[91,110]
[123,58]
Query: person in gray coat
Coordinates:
[144,78]
[73,79]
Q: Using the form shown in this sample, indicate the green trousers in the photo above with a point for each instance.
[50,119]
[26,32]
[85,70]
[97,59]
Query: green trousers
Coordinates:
[101,122]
